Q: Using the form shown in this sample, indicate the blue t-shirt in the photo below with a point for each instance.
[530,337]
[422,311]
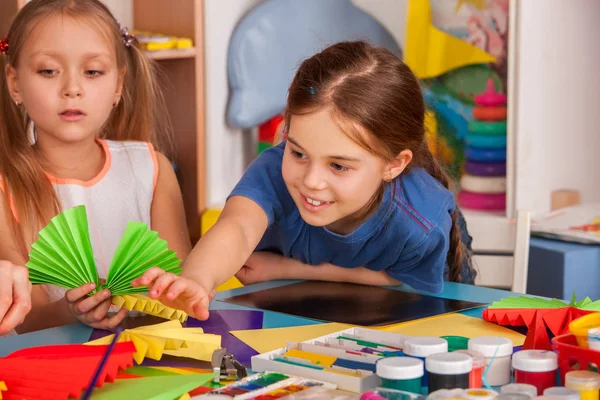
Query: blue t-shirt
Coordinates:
[407,236]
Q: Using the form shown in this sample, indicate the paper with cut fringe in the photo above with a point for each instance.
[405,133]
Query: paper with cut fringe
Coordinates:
[149,306]
[169,338]
[63,255]
[539,316]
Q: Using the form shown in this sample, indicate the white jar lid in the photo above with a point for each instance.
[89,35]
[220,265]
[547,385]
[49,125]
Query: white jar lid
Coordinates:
[535,361]
[423,346]
[488,345]
[478,358]
[562,392]
[519,388]
[514,396]
[449,363]
[400,368]
[585,379]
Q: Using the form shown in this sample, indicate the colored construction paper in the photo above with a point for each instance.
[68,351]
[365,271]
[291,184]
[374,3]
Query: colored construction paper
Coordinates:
[429,51]
[152,388]
[454,325]
[167,338]
[63,255]
[536,302]
[63,371]
[264,340]
[149,306]
[2,388]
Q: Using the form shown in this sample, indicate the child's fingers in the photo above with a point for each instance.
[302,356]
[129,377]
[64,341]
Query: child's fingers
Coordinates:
[147,277]
[176,288]
[200,309]
[87,304]
[98,313]
[21,302]
[6,291]
[75,294]
[163,282]
[111,322]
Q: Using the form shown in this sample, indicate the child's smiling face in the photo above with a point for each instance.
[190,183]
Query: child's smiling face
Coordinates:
[67,78]
[331,178]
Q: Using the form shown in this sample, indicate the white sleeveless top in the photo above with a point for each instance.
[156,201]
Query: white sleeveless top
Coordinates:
[121,192]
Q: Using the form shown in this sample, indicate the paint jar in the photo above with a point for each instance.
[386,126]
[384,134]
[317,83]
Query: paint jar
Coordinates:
[401,373]
[562,393]
[447,394]
[448,371]
[535,367]
[456,342]
[586,383]
[480,394]
[389,394]
[478,367]
[497,351]
[513,396]
[519,388]
[594,338]
[423,346]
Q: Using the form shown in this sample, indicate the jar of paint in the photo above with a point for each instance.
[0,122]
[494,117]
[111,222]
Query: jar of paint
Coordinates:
[562,393]
[594,338]
[513,396]
[586,383]
[478,367]
[422,347]
[497,351]
[448,371]
[401,373]
[480,394]
[535,367]
[519,388]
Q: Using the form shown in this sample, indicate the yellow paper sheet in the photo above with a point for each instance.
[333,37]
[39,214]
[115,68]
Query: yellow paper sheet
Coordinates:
[430,52]
[264,340]
[149,306]
[454,325]
[2,388]
[170,338]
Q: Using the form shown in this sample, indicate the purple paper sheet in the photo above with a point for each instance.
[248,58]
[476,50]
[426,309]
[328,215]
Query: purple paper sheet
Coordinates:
[220,322]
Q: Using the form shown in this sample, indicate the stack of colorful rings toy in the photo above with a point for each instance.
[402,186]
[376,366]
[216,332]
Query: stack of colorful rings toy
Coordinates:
[483,187]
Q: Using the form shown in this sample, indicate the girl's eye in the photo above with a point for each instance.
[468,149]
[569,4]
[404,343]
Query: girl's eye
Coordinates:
[47,72]
[93,73]
[339,167]
[297,154]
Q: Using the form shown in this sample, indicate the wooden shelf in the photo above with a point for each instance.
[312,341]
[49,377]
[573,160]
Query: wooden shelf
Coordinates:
[173,54]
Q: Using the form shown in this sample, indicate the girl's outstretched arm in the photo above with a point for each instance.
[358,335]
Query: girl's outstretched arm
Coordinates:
[265,266]
[167,213]
[219,254]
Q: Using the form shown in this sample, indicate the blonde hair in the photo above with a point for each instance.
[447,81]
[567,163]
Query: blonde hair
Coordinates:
[140,115]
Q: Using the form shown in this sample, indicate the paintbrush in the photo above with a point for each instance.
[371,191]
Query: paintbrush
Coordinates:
[90,388]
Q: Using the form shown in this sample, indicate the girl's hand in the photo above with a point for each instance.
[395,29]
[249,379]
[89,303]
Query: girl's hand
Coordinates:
[15,295]
[92,310]
[176,292]
[263,266]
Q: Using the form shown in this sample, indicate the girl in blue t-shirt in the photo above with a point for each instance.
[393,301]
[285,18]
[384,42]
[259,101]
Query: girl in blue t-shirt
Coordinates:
[353,194]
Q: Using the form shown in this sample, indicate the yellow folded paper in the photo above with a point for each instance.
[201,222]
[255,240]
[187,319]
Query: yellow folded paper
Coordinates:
[3,388]
[149,306]
[431,52]
[169,338]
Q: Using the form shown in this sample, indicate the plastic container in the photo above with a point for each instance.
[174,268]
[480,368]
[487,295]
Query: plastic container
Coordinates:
[519,388]
[562,393]
[586,383]
[535,367]
[478,367]
[447,394]
[513,396]
[401,373]
[422,347]
[594,339]
[448,371]
[582,325]
[572,357]
[497,351]
[456,342]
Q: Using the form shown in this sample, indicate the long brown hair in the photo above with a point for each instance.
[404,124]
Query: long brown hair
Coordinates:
[140,115]
[370,87]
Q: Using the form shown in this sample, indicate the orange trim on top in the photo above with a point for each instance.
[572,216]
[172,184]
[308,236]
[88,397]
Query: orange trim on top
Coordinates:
[11,203]
[94,180]
[155,161]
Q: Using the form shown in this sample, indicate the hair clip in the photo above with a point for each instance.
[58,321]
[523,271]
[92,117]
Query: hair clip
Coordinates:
[127,37]
[4,46]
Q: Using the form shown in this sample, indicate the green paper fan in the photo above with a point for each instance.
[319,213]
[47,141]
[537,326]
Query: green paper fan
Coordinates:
[535,302]
[63,255]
